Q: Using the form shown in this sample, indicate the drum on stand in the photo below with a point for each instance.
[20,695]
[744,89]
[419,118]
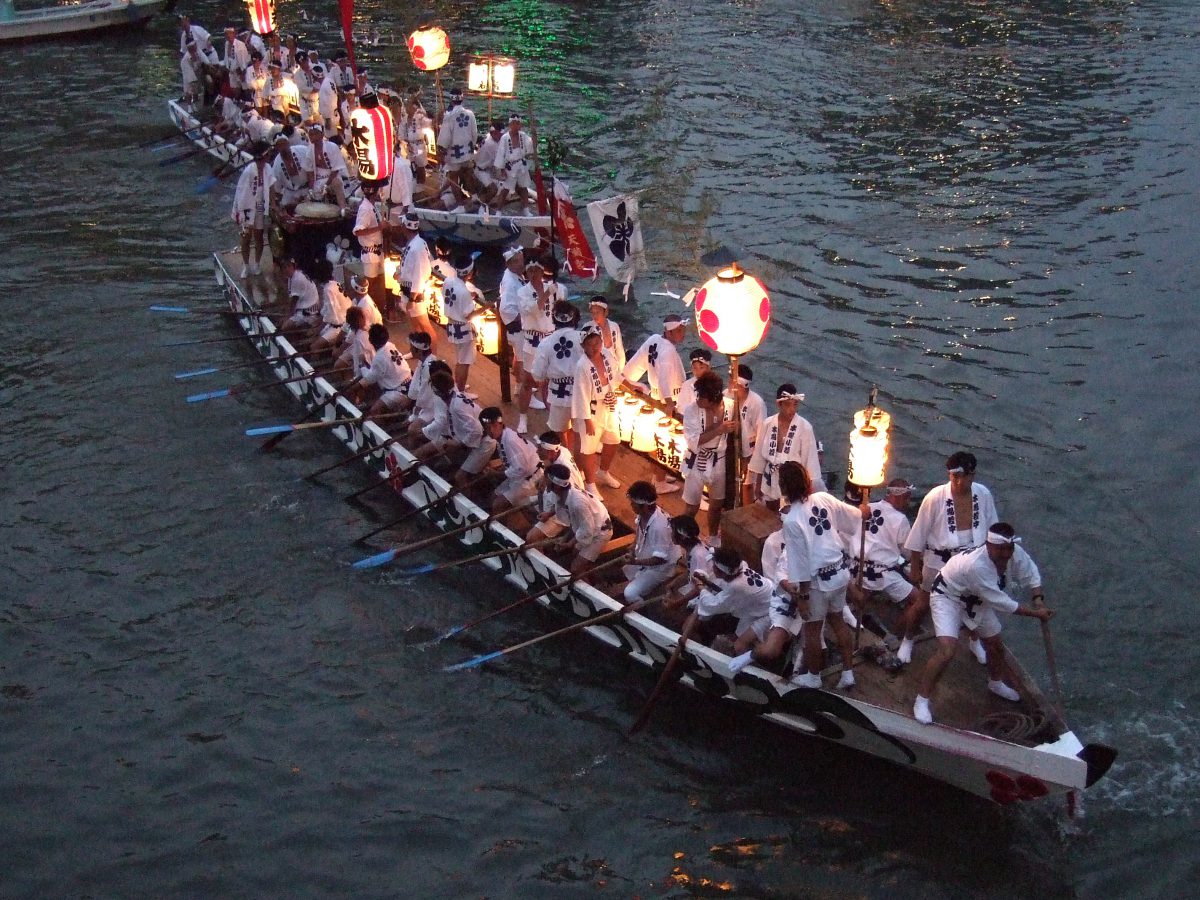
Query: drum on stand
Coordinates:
[310,228]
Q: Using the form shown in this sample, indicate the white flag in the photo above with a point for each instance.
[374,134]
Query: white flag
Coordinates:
[618,230]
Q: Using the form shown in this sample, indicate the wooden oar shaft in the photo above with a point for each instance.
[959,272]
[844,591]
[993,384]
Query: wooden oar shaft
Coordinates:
[316,373]
[667,671]
[454,532]
[454,491]
[491,553]
[391,476]
[366,451]
[279,332]
[333,423]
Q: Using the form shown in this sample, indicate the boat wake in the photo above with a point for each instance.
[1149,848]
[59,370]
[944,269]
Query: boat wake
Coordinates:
[1158,771]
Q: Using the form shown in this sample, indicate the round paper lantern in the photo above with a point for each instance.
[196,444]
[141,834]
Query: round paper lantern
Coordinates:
[627,413]
[429,48]
[371,139]
[732,312]
[262,15]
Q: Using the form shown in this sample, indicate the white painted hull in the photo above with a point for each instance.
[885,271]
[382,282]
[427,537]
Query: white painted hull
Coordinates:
[78,18]
[976,763]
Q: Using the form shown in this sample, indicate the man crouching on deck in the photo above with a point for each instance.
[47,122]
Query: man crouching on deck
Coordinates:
[583,514]
[967,593]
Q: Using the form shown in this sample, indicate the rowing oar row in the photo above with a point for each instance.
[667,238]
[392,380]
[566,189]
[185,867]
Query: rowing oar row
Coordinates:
[270,360]
[237,389]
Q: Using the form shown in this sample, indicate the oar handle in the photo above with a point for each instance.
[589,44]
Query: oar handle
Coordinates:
[661,686]
[518,548]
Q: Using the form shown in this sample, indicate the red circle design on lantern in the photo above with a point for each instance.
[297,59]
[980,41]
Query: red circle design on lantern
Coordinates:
[700,298]
[709,320]
[708,339]
[764,309]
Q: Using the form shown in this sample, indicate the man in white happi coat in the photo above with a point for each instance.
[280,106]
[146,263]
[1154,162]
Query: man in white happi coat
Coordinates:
[291,172]
[258,82]
[361,297]
[357,352]
[733,589]
[535,300]
[752,411]
[254,42]
[954,518]
[486,176]
[659,360]
[697,557]
[455,429]
[700,361]
[236,58]
[967,593]
[513,152]
[418,395]
[334,304]
[885,570]
[554,365]
[327,167]
[192,64]
[252,207]
[655,555]
[519,459]
[582,515]
[413,274]
[707,423]
[594,411]
[460,300]
[327,100]
[368,231]
[282,95]
[509,307]
[306,87]
[398,195]
[458,136]
[783,437]
[551,451]
[610,331]
[817,572]
[189,31]
[388,372]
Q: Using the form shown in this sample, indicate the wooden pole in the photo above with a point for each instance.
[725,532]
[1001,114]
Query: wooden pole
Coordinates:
[733,446]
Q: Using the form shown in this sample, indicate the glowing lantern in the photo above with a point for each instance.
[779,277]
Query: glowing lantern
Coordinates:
[429,48]
[391,265]
[504,77]
[732,312]
[430,140]
[433,301]
[495,76]
[487,331]
[627,413]
[869,447]
[262,15]
[372,139]
[645,428]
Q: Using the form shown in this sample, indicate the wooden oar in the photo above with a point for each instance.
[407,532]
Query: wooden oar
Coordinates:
[302,425]
[188,154]
[529,598]
[212,370]
[219,174]
[272,442]
[668,669]
[250,313]
[429,568]
[1054,682]
[174,135]
[391,476]
[382,559]
[366,451]
[237,389]
[454,491]
[279,332]
[635,606]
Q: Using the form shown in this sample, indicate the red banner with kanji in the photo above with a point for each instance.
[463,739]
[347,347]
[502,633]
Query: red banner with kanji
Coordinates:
[568,230]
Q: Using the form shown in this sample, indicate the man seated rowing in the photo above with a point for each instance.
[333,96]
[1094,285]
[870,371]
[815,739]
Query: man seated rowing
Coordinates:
[583,517]
[735,590]
[455,430]
[519,458]
[551,451]
[388,372]
[655,555]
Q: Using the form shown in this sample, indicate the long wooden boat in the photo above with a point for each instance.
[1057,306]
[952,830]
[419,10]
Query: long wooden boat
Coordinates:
[72,19]
[482,229]
[1041,757]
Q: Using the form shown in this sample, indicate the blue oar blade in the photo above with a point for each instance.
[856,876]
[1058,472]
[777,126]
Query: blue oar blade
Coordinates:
[207,184]
[417,570]
[457,629]
[180,376]
[170,309]
[473,662]
[269,429]
[208,395]
[379,559]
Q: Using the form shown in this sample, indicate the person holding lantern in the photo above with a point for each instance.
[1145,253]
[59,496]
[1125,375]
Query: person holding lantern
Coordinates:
[251,206]
[460,298]
[658,359]
[593,411]
[655,555]
[413,274]
[705,426]
[582,514]
[967,592]
[782,437]
[817,573]
[953,518]
[554,366]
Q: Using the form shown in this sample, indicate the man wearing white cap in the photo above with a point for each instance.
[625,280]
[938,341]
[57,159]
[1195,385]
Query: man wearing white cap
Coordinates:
[458,136]
[581,513]
[593,411]
[413,274]
[954,518]
[512,155]
[659,360]
[610,331]
[967,593]
[460,299]
[554,366]
[519,457]
[361,296]
[509,305]
[782,437]
[388,371]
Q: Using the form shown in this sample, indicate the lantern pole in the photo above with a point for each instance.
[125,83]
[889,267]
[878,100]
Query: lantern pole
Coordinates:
[862,530]
[733,451]
[505,386]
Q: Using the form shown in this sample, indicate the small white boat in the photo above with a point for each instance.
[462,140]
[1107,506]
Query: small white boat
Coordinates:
[69,19]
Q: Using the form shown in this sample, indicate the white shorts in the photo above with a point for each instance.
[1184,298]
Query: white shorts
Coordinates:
[591,552]
[695,479]
[480,456]
[890,583]
[784,613]
[517,490]
[415,306]
[517,177]
[330,333]
[303,317]
[485,177]
[558,418]
[465,353]
[822,603]
[393,399]
[517,342]
[251,223]
[950,616]
[644,579]
[590,443]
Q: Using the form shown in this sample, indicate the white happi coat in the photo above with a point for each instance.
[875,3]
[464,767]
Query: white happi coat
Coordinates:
[773,448]
[659,359]
[460,299]
[707,454]
[458,136]
[591,399]
[334,304]
[971,578]
[886,531]
[416,266]
[457,420]
[535,312]
[610,334]
[509,307]
[511,155]
[519,455]
[747,596]
[653,539]
[555,361]
[388,369]
[301,287]
[292,186]
[585,514]
[753,412]
[419,391]
[936,533]
[370,245]
[325,160]
[253,195]
[811,538]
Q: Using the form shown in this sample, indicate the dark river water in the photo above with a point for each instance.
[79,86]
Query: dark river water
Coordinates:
[985,207]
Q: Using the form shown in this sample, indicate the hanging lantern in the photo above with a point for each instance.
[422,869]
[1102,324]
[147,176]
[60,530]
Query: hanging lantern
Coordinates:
[372,139]
[391,265]
[504,76]
[869,448]
[262,15]
[487,331]
[732,312]
[495,76]
[429,48]
[430,140]
[479,75]
[645,428]
[627,412]
[433,301]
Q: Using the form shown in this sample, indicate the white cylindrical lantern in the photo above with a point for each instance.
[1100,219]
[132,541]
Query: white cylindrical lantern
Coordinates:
[391,265]
[869,448]
[645,427]
[433,301]
[479,75]
[504,76]
[732,312]
[627,413]
[429,48]
[664,432]
[487,331]
[262,15]
[372,139]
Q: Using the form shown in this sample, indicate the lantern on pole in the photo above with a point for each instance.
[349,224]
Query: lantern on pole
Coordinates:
[867,469]
[429,48]
[487,331]
[262,15]
[492,76]
[732,315]
[372,139]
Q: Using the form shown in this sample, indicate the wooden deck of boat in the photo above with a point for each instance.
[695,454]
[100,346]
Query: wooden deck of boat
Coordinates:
[962,699]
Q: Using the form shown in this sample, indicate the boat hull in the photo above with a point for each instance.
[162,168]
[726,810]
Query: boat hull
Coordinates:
[988,767]
[79,20]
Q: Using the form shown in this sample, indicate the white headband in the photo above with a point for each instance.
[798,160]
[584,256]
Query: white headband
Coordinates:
[799,398]
[559,482]
[993,538]
[897,490]
[668,324]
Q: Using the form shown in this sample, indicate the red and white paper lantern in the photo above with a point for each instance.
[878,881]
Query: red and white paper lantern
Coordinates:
[371,139]
[429,48]
[732,312]
[262,15]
